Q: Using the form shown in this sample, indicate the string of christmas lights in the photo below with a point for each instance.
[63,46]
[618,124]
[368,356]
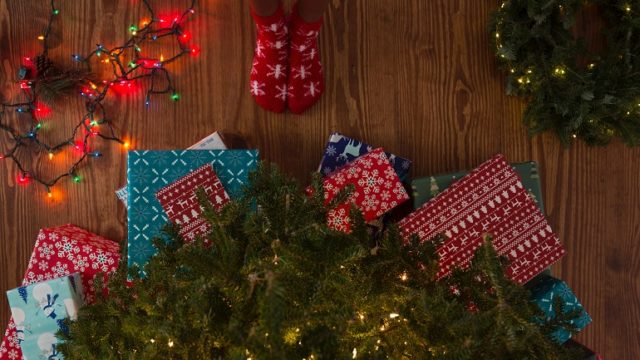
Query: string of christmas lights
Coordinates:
[38,76]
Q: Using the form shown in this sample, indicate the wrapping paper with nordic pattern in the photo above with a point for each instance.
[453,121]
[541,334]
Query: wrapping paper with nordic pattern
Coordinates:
[61,251]
[543,292]
[148,171]
[490,200]
[425,189]
[38,311]
[342,150]
[377,189]
[211,142]
[180,201]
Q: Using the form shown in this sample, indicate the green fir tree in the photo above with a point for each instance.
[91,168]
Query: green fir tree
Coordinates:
[277,283]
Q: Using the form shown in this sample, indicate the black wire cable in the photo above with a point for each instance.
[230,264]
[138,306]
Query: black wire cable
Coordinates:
[126,69]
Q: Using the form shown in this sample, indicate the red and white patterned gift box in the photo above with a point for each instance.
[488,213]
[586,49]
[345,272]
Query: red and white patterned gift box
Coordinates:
[62,251]
[490,200]
[377,189]
[180,201]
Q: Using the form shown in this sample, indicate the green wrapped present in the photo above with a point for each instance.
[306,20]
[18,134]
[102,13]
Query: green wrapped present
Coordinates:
[425,189]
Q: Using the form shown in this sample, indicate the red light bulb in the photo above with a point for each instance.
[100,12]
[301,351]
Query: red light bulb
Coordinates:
[79,147]
[42,110]
[185,36]
[23,179]
[195,50]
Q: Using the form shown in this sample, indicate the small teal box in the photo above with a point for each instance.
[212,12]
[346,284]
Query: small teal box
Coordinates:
[39,311]
[544,289]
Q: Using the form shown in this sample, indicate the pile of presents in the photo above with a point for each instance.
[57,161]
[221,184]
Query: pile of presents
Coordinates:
[502,199]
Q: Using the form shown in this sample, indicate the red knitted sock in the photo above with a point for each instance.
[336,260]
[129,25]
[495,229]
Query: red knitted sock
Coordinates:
[268,80]
[306,82]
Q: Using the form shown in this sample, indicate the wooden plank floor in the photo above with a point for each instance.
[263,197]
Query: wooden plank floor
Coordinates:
[414,76]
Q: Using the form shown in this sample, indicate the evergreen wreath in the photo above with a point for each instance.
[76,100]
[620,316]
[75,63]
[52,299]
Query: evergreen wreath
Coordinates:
[571,91]
[278,283]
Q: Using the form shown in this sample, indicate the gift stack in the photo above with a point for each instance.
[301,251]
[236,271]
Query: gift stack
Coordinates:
[376,178]
[163,187]
[59,278]
[504,201]
[497,199]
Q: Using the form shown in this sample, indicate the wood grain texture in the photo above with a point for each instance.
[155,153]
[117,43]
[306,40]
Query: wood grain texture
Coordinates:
[413,76]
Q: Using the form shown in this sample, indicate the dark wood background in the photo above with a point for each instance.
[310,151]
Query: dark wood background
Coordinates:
[414,76]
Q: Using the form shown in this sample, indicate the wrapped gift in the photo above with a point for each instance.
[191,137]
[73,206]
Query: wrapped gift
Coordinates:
[377,189]
[149,171]
[341,150]
[489,200]
[180,201]
[211,142]
[543,292]
[62,251]
[38,311]
[425,189]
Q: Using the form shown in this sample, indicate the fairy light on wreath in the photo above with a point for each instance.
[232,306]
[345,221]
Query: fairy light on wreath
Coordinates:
[39,78]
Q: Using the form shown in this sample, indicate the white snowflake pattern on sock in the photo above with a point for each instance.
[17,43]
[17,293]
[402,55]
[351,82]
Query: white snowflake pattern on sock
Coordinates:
[311,55]
[259,49]
[256,88]
[276,71]
[312,89]
[300,48]
[301,72]
[283,92]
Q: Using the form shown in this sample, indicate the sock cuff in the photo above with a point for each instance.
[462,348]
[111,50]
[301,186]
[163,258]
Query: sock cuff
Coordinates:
[298,22]
[268,20]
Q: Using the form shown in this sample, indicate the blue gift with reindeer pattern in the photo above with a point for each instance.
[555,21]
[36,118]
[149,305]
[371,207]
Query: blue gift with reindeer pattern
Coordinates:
[39,310]
[341,150]
[148,171]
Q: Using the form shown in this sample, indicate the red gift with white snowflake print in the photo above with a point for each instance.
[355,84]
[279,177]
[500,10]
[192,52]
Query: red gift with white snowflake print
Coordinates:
[62,251]
[180,201]
[377,189]
[489,200]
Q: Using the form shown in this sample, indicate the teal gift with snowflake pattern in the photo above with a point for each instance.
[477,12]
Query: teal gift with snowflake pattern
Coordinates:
[148,171]
[543,291]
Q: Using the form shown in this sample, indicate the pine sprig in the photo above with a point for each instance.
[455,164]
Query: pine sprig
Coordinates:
[277,283]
